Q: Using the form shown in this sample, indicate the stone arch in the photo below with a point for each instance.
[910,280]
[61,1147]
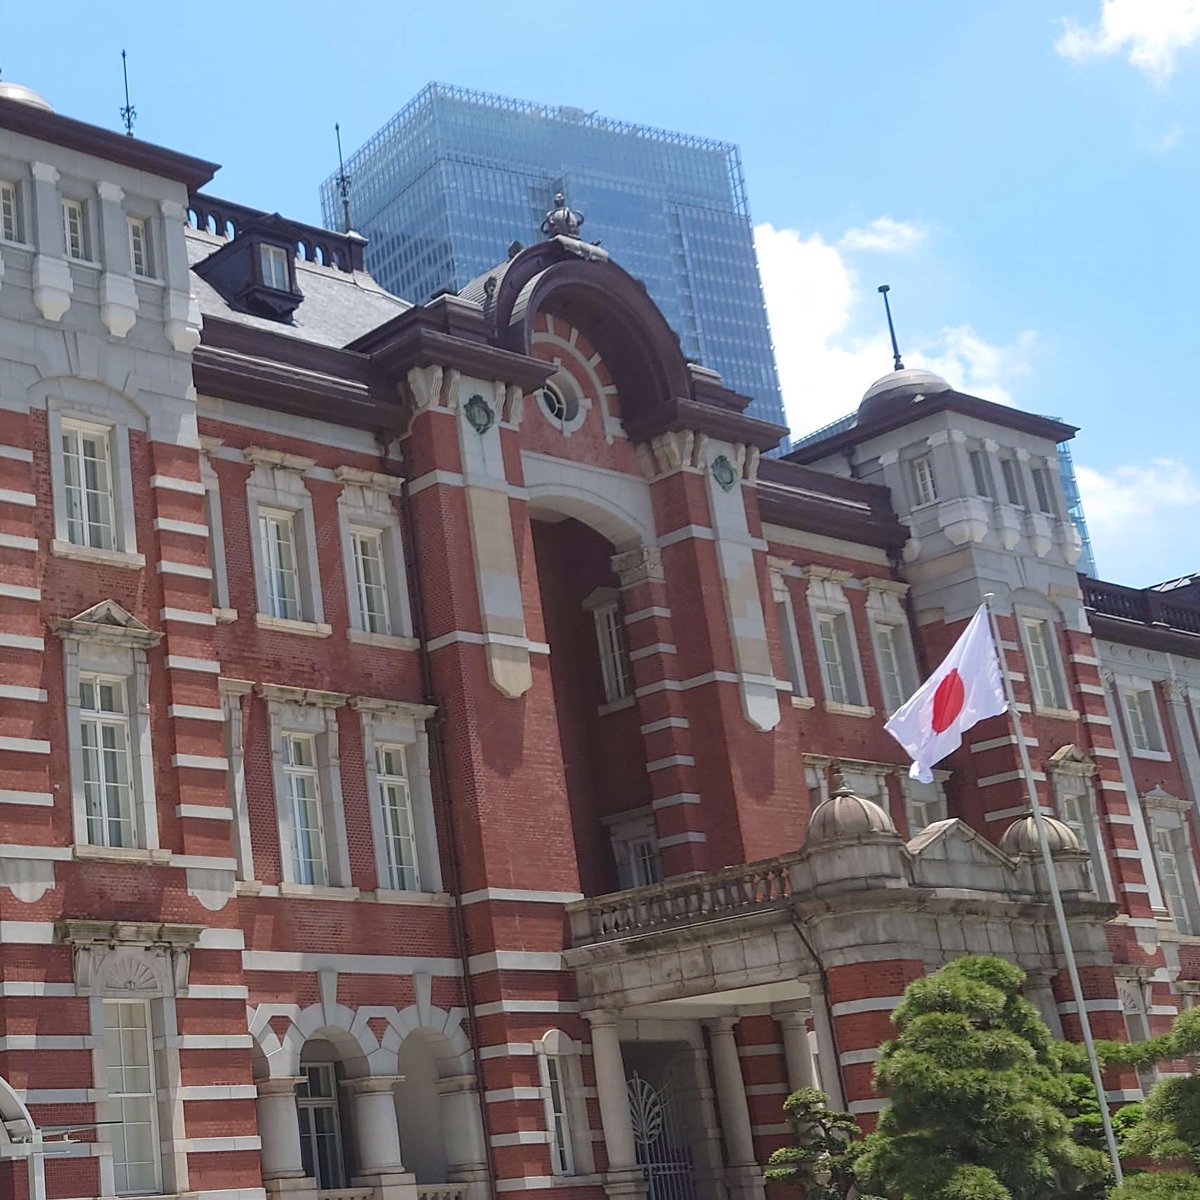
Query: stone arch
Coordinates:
[88,395]
[360,1052]
[625,522]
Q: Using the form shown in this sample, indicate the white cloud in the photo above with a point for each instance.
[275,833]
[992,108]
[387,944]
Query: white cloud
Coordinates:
[885,236]
[1150,33]
[1139,516]
[831,339]
[1165,142]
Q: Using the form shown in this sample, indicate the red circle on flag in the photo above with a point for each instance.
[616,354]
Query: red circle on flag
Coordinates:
[948,700]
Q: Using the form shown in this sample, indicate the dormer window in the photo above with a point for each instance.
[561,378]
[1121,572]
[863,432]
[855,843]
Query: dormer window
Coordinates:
[274,263]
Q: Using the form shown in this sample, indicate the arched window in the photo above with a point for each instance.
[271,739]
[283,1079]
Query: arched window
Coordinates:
[323,1143]
[565,1107]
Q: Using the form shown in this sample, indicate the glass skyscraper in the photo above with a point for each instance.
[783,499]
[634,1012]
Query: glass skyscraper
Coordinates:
[444,188]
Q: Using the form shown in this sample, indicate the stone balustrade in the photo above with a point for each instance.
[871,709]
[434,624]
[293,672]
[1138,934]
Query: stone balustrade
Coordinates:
[687,901]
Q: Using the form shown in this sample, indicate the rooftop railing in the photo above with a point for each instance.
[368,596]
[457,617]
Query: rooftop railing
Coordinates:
[1147,607]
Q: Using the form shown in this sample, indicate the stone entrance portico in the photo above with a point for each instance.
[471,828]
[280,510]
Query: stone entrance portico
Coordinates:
[784,973]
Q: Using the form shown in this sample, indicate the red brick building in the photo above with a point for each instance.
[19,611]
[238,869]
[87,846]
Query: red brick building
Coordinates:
[419,724]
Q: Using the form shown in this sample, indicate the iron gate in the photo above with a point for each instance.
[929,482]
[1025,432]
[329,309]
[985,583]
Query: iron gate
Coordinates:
[662,1150]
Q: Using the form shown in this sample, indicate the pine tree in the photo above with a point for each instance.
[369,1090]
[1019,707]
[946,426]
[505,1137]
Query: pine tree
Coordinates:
[821,1160]
[983,1103]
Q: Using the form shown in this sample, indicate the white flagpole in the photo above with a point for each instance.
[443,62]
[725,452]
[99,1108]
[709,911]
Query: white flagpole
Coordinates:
[1060,916]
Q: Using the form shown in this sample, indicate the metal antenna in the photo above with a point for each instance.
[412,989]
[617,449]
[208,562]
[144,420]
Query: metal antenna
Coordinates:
[342,180]
[883,291]
[128,113]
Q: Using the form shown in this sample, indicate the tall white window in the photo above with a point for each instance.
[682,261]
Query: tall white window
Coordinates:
[320,1126]
[75,229]
[370,580]
[1076,803]
[610,640]
[108,792]
[10,223]
[1166,853]
[274,260]
[88,485]
[1141,713]
[892,650]
[838,663]
[980,473]
[924,803]
[1043,487]
[1044,677]
[558,1115]
[635,850]
[277,535]
[1014,491]
[302,781]
[396,810]
[129,1081]
[785,619]
[924,489]
[139,247]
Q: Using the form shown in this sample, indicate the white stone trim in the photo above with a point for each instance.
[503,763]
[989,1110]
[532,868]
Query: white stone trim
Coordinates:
[277,483]
[166,566]
[14,541]
[22,499]
[173,484]
[21,745]
[363,504]
[171,525]
[520,895]
[181,662]
[35,799]
[21,641]
[200,762]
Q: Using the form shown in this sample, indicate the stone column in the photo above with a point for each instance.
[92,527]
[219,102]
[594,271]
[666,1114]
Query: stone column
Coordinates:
[743,1176]
[279,1134]
[52,283]
[377,1136]
[794,1028]
[624,1177]
[827,1063]
[462,1131]
[118,296]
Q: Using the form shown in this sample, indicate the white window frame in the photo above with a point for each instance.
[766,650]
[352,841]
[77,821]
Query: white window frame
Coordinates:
[1167,817]
[232,691]
[141,226]
[100,723]
[1014,485]
[1039,629]
[789,635]
[399,724]
[305,808]
[1077,805]
[1137,1025]
[924,803]
[564,1107]
[282,573]
[366,504]
[276,486]
[96,507]
[1143,720]
[612,647]
[11,213]
[211,482]
[124,549]
[816,781]
[924,483]
[306,1104]
[309,713]
[115,1100]
[272,259]
[634,838]
[92,646]
[827,598]
[76,209]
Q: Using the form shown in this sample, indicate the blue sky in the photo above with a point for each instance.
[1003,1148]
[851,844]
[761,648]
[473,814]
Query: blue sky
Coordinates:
[1023,174]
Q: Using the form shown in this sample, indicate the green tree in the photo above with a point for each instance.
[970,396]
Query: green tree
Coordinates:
[985,1104]
[1158,1185]
[821,1160]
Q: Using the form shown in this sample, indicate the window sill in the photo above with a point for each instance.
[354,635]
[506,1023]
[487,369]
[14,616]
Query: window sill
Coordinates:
[616,705]
[417,899]
[90,554]
[386,641]
[316,629]
[225,616]
[125,854]
[803,702]
[848,710]
[13,245]
[316,891]
[1060,714]
[1153,755]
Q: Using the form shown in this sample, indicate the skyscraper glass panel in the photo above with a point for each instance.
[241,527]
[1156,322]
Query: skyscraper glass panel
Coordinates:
[444,188]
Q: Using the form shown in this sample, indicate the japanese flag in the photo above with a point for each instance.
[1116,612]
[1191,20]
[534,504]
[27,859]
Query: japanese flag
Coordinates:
[959,694]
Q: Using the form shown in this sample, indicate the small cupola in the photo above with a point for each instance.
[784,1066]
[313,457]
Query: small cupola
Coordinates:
[256,270]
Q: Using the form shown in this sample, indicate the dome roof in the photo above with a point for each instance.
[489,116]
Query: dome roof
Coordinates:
[1021,837]
[897,389]
[845,815]
[23,95]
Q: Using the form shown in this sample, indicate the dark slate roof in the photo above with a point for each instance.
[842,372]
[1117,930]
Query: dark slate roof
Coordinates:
[338,306]
[475,292]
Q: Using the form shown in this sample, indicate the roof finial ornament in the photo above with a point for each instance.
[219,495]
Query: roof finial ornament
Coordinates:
[897,364]
[562,221]
[343,181]
[128,113]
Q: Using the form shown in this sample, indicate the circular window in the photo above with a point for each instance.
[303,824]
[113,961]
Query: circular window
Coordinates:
[563,407]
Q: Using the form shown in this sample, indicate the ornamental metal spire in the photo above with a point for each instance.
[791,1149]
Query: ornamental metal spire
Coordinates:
[342,180]
[898,365]
[128,113]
